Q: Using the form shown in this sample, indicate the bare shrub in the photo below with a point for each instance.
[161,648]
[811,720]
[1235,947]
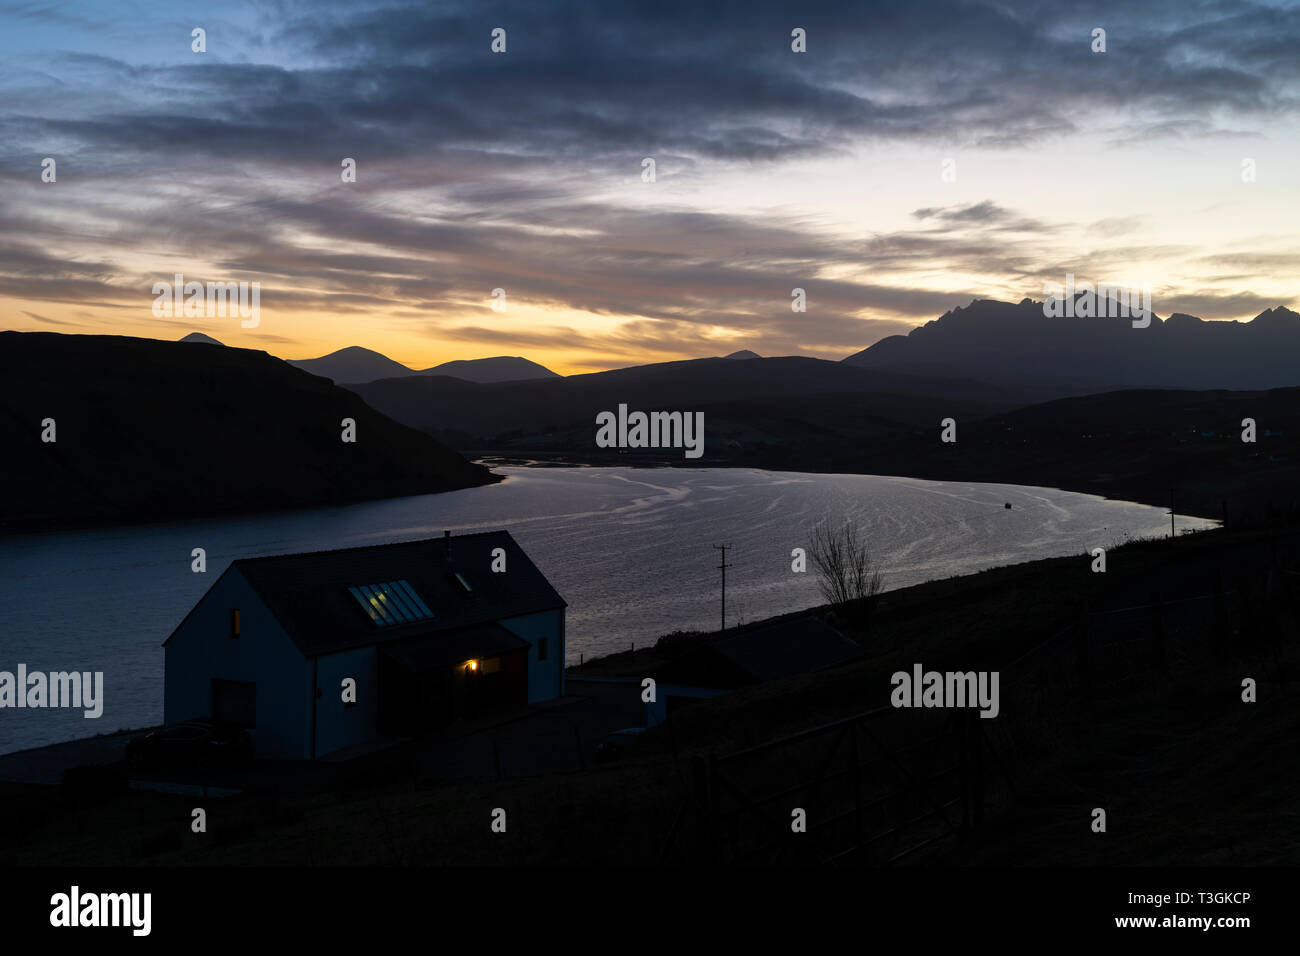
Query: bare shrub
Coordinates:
[845,569]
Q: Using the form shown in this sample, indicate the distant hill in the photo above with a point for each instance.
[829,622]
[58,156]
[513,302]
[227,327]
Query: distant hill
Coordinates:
[148,430]
[501,368]
[356,365]
[1016,346]
[743,354]
[1136,445]
[770,406]
[352,364]
[202,339]
[804,414]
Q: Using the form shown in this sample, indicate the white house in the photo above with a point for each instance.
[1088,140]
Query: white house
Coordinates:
[316,652]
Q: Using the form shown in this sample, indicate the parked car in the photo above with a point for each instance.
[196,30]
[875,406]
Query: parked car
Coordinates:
[612,747]
[192,745]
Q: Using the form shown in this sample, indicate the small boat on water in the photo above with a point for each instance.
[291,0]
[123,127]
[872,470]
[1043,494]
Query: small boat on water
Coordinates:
[1008,506]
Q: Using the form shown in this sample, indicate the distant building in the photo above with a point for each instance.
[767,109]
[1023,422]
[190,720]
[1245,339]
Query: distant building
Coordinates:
[427,630]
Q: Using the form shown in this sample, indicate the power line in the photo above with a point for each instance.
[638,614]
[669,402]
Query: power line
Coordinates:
[723,568]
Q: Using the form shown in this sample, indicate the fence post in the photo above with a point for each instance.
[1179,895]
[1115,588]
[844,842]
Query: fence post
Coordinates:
[963,773]
[977,743]
[577,738]
[1158,629]
[716,836]
[1083,646]
[1220,614]
[857,781]
[700,787]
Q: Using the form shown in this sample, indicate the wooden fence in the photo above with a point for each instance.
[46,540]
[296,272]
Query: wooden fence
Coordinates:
[875,788]
[881,787]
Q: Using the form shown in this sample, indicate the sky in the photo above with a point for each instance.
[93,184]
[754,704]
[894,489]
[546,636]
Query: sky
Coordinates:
[917,156]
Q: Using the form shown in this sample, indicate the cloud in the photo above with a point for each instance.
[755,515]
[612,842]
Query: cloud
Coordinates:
[521,170]
[45,320]
[1114,226]
[1210,305]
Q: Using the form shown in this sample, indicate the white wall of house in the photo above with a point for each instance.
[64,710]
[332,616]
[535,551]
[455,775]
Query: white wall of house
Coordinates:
[340,725]
[201,650]
[545,678]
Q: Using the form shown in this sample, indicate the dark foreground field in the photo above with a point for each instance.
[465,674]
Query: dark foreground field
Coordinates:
[1120,691]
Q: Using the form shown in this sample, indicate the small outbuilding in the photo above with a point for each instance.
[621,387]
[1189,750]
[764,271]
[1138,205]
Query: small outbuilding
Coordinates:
[770,650]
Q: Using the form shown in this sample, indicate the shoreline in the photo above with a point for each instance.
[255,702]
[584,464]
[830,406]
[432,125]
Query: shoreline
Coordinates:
[541,461]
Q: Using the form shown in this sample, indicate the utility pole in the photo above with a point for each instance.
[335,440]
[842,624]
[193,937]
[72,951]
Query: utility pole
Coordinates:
[723,568]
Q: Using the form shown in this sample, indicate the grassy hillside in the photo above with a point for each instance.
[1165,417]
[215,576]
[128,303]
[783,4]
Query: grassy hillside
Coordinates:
[807,415]
[149,430]
[788,406]
[1136,445]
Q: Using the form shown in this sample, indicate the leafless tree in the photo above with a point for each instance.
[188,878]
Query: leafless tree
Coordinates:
[845,570]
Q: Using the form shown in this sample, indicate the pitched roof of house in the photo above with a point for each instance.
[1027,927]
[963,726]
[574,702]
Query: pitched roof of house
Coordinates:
[310,597]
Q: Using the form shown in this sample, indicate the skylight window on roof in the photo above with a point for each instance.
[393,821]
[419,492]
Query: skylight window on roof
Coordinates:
[394,602]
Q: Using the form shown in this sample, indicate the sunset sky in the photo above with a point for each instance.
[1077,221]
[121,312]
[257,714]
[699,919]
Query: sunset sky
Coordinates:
[522,170]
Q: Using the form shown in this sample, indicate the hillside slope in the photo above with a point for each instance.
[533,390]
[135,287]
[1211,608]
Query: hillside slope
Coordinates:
[772,404]
[147,430]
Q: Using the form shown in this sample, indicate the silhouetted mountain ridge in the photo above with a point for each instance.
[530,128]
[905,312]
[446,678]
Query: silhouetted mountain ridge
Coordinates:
[200,339]
[1018,346]
[356,365]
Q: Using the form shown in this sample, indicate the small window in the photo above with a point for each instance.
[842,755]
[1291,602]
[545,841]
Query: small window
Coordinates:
[234,622]
[541,648]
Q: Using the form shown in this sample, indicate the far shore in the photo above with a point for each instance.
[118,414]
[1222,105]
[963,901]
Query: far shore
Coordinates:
[1135,493]
[541,460]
